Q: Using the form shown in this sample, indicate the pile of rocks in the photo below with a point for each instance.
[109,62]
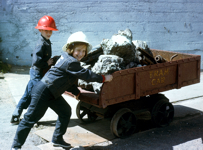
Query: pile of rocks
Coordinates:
[114,54]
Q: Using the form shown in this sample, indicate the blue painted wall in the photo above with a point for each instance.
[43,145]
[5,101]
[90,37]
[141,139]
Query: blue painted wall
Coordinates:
[175,25]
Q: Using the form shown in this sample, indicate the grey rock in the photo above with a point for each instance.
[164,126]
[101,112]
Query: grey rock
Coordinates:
[127,33]
[85,85]
[107,64]
[131,65]
[121,45]
[141,44]
[97,87]
[144,46]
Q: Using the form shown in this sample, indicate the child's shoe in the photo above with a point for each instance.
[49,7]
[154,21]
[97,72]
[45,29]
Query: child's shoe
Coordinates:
[15,119]
[60,143]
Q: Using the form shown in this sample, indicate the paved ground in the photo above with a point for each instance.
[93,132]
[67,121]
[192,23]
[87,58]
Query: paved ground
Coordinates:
[7,131]
[186,129]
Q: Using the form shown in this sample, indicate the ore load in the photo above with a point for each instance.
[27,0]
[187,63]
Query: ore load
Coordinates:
[118,53]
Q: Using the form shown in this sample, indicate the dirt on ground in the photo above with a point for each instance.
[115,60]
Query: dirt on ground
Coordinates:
[7,130]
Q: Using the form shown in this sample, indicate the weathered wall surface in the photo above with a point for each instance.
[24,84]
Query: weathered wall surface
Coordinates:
[175,25]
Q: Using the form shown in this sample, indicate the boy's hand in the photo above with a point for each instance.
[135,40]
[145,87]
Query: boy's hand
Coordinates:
[55,58]
[50,62]
[108,78]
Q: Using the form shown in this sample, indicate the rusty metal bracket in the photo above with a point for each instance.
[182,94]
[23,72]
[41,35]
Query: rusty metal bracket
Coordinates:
[179,76]
[137,86]
[198,69]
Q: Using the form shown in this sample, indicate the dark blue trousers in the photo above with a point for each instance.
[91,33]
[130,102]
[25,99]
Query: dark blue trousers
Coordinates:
[35,76]
[41,99]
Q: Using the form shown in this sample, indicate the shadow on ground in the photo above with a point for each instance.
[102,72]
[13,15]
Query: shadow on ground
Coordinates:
[147,133]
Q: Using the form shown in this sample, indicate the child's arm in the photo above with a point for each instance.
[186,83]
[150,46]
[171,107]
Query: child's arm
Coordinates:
[54,59]
[40,60]
[86,74]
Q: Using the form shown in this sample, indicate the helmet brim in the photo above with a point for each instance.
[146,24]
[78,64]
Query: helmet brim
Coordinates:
[46,28]
[89,47]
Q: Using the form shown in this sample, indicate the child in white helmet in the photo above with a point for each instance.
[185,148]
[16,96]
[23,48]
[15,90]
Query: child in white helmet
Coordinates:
[41,61]
[47,92]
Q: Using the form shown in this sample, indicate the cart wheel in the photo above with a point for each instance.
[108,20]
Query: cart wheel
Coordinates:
[162,113]
[123,123]
[84,114]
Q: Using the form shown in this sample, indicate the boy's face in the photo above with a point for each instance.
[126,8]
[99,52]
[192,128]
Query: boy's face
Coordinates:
[46,33]
[79,51]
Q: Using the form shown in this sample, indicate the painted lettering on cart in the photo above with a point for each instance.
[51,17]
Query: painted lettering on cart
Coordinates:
[158,76]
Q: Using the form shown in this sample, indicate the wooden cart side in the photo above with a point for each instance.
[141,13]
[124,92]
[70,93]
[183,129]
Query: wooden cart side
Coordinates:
[120,89]
[170,75]
[134,83]
[189,71]
[185,65]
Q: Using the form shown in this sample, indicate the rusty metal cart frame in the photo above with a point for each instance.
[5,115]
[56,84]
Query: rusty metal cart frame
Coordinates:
[136,89]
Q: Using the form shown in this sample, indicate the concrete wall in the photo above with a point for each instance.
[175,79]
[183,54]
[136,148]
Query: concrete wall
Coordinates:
[175,25]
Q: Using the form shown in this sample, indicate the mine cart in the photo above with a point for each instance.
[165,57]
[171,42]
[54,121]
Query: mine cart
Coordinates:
[137,89]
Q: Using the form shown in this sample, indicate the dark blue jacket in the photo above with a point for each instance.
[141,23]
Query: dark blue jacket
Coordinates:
[42,53]
[63,75]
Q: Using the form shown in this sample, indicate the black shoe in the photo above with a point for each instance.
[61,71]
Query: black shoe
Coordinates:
[15,119]
[60,143]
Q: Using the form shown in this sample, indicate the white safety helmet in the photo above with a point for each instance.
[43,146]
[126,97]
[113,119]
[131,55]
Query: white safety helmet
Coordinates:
[77,37]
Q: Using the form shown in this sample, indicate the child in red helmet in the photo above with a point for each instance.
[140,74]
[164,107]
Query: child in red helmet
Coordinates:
[41,61]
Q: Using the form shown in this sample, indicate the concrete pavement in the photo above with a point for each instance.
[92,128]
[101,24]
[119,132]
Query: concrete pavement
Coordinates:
[187,101]
[17,80]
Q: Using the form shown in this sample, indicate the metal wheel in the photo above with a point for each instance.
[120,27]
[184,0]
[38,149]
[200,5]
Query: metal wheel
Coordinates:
[84,114]
[123,123]
[162,113]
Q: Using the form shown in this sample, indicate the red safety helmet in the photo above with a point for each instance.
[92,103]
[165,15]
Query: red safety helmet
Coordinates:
[46,23]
